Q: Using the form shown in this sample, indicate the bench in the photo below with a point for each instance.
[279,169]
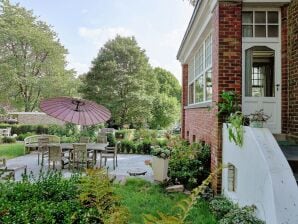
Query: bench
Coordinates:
[32,141]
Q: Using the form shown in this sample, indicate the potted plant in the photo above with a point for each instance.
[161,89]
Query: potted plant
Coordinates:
[160,162]
[258,118]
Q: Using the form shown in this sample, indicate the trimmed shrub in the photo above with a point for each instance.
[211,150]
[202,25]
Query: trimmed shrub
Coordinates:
[189,165]
[8,140]
[21,137]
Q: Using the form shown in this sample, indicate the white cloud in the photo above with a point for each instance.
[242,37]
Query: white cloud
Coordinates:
[98,36]
[79,67]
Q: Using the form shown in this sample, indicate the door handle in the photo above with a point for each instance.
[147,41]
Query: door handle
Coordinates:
[277,86]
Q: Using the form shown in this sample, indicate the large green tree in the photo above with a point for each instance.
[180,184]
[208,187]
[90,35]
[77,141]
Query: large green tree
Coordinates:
[122,79]
[166,106]
[32,60]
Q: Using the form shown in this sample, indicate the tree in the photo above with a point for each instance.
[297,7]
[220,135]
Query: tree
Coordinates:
[168,84]
[122,80]
[165,111]
[166,106]
[32,60]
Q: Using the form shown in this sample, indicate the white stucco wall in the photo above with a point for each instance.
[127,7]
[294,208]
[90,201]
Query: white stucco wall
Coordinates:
[264,177]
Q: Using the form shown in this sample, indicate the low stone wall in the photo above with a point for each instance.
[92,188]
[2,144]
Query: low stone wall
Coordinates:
[35,118]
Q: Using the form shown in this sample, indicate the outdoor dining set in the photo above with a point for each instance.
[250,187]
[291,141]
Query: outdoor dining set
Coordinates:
[76,155]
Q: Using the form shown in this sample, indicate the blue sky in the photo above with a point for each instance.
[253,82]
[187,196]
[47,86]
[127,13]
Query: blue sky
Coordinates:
[83,26]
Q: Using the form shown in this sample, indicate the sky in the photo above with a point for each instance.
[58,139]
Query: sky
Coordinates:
[83,26]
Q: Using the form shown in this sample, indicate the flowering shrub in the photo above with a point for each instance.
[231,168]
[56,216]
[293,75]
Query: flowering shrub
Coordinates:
[160,152]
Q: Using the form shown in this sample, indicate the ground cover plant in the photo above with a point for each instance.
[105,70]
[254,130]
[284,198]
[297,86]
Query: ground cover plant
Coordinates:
[9,151]
[143,198]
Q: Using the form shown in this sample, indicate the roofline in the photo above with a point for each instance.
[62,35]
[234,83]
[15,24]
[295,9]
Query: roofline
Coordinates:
[189,27]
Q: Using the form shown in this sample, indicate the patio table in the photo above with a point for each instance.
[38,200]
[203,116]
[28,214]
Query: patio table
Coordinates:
[96,147]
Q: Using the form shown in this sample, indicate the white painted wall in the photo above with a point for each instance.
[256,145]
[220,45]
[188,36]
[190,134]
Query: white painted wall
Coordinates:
[264,177]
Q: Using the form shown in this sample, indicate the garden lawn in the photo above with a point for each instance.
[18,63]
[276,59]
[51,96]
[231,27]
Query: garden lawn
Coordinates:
[142,197]
[9,151]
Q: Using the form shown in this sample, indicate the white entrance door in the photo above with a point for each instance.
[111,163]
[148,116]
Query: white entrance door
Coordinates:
[261,66]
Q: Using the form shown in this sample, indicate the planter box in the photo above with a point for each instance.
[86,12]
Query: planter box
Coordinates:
[256,124]
[160,168]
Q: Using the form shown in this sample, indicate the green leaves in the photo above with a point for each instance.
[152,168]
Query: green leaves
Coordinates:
[31,58]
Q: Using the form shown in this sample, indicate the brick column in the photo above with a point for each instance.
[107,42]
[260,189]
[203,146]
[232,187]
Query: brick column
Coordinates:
[284,69]
[227,66]
[184,100]
[293,67]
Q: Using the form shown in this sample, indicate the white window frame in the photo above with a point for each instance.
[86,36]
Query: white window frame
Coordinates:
[262,39]
[197,73]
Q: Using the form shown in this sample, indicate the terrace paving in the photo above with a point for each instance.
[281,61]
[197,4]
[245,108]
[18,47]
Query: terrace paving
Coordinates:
[125,162]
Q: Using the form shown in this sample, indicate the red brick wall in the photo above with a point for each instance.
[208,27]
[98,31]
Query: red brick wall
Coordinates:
[226,69]
[293,67]
[284,69]
[184,97]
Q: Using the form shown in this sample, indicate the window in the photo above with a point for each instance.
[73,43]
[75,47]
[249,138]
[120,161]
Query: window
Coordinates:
[200,74]
[259,72]
[232,177]
[260,23]
[193,138]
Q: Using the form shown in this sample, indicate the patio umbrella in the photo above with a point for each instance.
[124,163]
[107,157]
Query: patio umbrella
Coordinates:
[76,111]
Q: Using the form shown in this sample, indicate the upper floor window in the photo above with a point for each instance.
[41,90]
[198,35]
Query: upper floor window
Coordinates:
[260,23]
[200,74]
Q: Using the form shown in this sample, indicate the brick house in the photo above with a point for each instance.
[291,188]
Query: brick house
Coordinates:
[250,47]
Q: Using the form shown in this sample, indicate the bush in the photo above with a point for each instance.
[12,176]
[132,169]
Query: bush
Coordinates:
[50,199]
[8,140]
[245,215]
[220,206]
[127,146]
[160,152]
[189,165]
[111,139]
[21,137]
[120,134]
[145,134]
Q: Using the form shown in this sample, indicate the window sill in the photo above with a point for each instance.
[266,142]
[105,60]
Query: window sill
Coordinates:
[199,105]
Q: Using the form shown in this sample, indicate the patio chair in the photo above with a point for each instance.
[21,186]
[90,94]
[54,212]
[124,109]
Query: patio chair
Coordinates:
[102,138]
[110,152]
[57,156]
[84,139]
[79,157]
[43,149]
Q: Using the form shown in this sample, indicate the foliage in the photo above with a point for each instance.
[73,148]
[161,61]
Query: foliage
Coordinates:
[259,116]
[127,145]
[160,152]
[120,134]
[220,206]
[142,197]
[229,104]
[111,139]
[144,146]
[166,105]
[101,198]
[245,215]
[166,111]
[235,128]
[11,150]
[8,140]
[21,137]
[48,199]
[31,59]
[142,133]
[122,80]
[189,164]
[185,206]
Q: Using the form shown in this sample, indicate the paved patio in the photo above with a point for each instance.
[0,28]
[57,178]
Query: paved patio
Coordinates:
[125,162]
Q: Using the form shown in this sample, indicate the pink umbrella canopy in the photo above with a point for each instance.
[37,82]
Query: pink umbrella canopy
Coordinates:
[76,111]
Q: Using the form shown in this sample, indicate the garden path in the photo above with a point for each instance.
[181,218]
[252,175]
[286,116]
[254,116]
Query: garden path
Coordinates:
[125,162]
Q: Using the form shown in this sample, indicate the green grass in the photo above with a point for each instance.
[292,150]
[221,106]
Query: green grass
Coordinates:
[9,151]
[142,197]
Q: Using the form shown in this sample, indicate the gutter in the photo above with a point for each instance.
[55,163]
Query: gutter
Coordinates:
[189,27]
